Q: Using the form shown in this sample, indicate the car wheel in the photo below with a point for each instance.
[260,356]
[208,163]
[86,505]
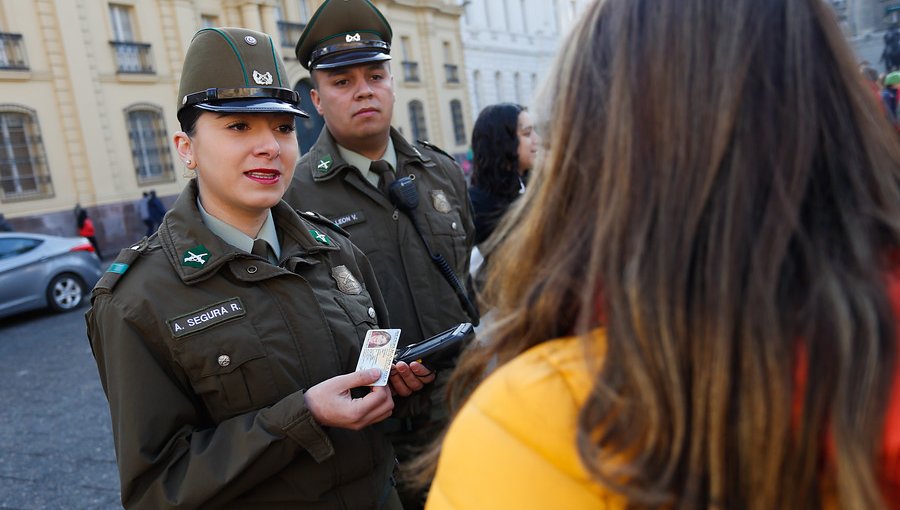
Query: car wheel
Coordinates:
[65,292]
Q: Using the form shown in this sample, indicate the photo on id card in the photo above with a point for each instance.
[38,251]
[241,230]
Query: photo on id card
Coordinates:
[378,352]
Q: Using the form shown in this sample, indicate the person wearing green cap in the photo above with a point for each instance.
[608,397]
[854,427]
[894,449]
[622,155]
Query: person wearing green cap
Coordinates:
[889,97]
[227,341]
[348,174]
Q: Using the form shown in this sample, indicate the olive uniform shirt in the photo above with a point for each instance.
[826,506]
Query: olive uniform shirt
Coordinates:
[419,299]
[205,351]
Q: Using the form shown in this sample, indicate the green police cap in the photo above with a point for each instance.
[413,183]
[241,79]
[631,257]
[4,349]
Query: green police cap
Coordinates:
[343,33]
[235,70]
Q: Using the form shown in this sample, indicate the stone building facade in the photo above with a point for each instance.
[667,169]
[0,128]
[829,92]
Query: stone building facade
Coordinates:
[509,45]
[88,97]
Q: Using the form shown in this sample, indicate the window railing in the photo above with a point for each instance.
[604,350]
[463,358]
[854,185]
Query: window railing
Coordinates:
[290,33]
[132,57]
[451,71]
[410,71]
[12,51]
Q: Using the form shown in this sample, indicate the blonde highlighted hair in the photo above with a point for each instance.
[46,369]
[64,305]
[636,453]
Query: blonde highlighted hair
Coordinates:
[720,192]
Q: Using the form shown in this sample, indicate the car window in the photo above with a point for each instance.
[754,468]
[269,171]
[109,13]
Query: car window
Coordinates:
[13,246]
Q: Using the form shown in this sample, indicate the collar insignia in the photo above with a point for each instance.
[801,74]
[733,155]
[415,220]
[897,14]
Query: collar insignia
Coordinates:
[262,79]
[324,164]
[320,237]
[345,281]
[197,256]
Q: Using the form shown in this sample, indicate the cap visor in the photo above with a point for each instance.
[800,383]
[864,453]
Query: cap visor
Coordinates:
[349,59]
[253,106]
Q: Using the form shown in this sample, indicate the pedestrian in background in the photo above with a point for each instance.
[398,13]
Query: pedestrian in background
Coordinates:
[227,341]
[4,225]
[143,207]
[719,265]
[156,209]
[891,98]
[86,229]
[419,249]
[504,148]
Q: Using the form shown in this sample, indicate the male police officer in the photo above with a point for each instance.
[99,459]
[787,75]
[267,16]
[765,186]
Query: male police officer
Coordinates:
[346,174]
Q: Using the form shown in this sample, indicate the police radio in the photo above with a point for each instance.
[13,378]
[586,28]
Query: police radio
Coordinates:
[403,194]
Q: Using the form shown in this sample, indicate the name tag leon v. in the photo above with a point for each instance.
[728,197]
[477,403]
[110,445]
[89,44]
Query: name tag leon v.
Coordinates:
[205,317]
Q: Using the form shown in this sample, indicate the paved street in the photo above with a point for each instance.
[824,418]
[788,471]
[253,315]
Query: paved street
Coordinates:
[56,448]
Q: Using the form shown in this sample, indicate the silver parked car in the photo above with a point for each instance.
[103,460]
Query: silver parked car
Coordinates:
[38,271]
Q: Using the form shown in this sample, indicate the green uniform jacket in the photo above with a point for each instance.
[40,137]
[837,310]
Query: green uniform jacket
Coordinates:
[205,364]
[420,301]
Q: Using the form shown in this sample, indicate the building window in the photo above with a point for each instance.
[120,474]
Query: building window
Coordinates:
[507,19]
[149,148]
[209,21]
[523,10]
[12,52]
[517,80]
[498,86]
[410,67]
[23,162]
[476,86]
[417,120]
[304,11]
[120,16]
[451,70]
[459,129]
[131,56]
[290,32]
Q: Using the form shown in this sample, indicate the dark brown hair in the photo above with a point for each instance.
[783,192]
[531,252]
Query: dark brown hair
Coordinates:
[720,192]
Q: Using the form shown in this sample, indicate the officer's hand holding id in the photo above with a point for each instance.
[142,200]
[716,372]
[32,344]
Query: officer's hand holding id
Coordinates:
[331,404]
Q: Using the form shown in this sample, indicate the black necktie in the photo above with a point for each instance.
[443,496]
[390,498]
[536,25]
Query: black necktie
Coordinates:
[385,174]
[261,249]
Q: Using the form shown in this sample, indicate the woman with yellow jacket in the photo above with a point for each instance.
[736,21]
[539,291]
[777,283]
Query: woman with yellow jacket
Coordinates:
[712,238]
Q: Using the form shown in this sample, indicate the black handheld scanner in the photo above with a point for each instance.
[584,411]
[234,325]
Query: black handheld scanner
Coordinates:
[439,351]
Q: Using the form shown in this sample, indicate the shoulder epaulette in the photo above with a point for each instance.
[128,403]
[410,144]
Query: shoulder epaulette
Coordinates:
[435,148]
[123,262]
[322,220]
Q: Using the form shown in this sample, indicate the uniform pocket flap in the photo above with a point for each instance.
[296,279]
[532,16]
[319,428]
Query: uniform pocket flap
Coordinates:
[358,308]
[447,224]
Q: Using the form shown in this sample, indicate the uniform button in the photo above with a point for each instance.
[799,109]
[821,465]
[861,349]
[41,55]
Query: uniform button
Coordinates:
[224,360]
[453,225]
[371,312]
[251,269]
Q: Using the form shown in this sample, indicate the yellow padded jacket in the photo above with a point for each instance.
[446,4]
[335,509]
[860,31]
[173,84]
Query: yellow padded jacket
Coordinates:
[513,444]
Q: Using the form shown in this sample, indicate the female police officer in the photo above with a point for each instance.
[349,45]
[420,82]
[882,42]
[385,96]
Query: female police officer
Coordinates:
[221,340]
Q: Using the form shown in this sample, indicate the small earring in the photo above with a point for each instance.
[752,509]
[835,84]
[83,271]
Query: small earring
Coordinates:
[188,162]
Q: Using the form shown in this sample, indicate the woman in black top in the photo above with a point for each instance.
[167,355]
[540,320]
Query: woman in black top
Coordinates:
[504,146]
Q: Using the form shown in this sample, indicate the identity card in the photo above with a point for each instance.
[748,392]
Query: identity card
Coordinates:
[378,352]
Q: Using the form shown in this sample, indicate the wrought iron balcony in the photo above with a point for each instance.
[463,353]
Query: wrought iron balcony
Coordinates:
[451,71]
[290,33]
[410,71]
[12,52]
[132,57]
